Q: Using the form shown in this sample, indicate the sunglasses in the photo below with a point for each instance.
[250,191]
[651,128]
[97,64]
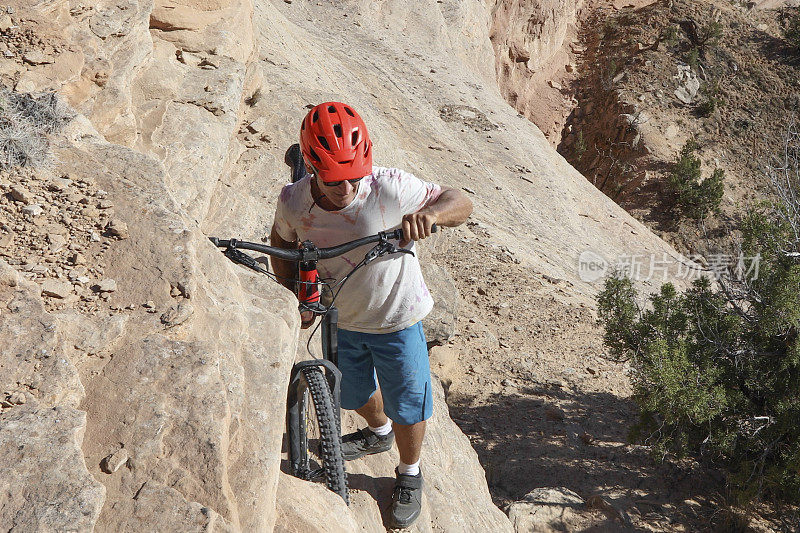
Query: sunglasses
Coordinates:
[353,182]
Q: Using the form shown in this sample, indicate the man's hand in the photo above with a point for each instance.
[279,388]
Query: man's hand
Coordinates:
[418,225]
[451,209]
[307,319]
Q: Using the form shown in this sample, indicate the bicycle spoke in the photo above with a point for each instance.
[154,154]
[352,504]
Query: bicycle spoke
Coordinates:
[316,475]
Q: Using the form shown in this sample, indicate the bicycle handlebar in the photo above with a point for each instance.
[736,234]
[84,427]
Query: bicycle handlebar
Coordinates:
[311,253]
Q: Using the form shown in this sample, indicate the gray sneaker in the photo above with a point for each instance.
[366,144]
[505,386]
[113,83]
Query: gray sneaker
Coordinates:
[365,442]
[406,500]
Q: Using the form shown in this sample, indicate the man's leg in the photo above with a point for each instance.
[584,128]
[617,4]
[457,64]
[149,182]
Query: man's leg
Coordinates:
[401,362]
[360,393]
[376,438]
[409,441]
[407,494]
[372,411]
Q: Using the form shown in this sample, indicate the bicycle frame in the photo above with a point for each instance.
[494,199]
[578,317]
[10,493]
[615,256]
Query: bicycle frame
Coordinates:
[308,289]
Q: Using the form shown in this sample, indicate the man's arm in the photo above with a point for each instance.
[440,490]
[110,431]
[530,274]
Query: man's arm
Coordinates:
[285,270]
[451,208]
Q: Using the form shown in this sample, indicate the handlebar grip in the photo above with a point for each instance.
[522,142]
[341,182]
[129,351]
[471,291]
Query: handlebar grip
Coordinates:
[214,241]
[398,233]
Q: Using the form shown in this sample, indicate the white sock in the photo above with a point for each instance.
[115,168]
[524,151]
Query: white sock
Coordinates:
[411,470]
[383,430]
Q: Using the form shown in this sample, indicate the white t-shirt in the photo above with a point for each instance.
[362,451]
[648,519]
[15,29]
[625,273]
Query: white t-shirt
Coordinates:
[388,294]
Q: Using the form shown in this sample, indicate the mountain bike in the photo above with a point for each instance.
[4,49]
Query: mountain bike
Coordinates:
[313,410]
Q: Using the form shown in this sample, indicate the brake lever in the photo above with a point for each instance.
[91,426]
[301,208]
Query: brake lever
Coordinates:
[237,256]
[383,248]
[396,250]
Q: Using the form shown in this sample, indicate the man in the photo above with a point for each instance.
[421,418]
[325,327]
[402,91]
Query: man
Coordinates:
[381,305]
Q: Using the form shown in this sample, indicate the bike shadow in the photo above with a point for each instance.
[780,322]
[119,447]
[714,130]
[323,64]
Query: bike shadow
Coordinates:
[285,454]
[379,488]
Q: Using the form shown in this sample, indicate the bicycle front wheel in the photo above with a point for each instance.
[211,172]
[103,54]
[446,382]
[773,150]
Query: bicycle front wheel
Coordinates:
[320,441]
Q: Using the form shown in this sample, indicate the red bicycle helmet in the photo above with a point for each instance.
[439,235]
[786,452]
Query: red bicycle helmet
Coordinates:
[334,140]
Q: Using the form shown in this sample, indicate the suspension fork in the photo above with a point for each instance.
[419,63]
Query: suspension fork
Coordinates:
[328,366]
[333,375]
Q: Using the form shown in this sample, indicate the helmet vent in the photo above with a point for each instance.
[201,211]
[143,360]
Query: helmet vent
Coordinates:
[354,138]
[324,142]
[331,109]
[366,149]
[315,117]
[349,111]
[337,129]
[314,155]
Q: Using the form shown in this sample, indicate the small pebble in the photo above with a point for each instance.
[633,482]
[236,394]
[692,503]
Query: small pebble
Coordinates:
[20,194]
[113,462]
[118,228]
[18,398]
[107,285]
[77,259]
[34,210]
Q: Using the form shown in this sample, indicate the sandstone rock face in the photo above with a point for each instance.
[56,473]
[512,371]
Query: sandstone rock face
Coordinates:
[529,39]
[46,486]
[184,363]
[157,504]
[530,32]
[32,353]
[44,483]
[187,397]
[440,324]
[295,515]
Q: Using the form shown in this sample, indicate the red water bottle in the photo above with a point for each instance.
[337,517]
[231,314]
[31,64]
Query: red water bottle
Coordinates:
[308,292]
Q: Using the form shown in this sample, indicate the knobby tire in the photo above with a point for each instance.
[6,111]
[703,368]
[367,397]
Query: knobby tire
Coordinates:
[313,385]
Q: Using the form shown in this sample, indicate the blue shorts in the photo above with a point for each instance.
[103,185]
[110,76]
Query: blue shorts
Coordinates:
[398,362]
